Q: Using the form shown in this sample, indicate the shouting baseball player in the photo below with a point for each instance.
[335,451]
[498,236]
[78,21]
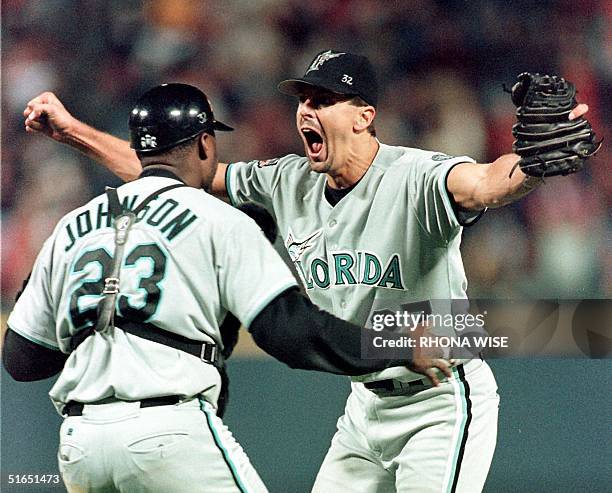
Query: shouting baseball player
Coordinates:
[126,300]
[369,226]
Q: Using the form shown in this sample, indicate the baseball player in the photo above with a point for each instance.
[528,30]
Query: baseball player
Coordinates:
[368,226]
[126,300]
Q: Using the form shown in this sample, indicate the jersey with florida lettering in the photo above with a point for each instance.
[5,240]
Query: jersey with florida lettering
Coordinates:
[391,242]
[190,258]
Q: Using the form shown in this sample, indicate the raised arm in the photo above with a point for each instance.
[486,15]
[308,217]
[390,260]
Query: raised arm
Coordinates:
[45,114]
[476,186]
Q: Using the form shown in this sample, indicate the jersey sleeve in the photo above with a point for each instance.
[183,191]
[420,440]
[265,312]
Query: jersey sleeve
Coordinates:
[253,181]
[251,273]
[430,199]
[33,315]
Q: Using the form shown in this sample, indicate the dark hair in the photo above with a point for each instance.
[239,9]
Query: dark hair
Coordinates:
[357,101]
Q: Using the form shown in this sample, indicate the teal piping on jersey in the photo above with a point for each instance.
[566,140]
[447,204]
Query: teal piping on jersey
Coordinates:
[228,187]
[441,182]
[460,385]
[223,450]
[444,192]
[252,315]
[34,340]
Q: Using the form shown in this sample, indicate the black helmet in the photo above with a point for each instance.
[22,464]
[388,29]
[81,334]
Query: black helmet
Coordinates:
[170,114]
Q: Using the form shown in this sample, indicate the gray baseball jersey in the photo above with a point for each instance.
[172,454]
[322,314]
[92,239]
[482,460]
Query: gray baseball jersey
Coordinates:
[189,260]
[394,239]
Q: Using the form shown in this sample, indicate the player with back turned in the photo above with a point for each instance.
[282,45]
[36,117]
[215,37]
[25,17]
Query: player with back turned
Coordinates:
[127,301]
[372,227]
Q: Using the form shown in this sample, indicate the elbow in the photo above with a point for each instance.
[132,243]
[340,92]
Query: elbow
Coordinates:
[264,337]
[281,348]
[294,365]
[24,366]
[9,367]
[21,376]
[17,372]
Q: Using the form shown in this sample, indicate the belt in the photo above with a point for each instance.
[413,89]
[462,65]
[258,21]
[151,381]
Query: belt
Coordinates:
[394,385]
[73,408]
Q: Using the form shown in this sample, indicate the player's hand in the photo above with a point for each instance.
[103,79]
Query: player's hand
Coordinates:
[432,368]
[429,361]
[47,115]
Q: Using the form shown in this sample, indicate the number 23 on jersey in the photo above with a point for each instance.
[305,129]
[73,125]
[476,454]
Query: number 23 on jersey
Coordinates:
[140,257]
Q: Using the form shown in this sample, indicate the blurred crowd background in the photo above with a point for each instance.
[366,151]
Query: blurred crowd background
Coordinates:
[441,66]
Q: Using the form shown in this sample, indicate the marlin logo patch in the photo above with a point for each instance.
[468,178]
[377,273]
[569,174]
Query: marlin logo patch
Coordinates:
[296,248]
[267,162]
[322,58]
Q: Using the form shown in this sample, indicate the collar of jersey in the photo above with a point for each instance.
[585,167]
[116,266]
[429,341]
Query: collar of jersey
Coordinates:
[385,156]
[160,172]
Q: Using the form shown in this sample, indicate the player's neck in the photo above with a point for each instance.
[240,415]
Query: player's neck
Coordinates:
[358,159]
[191,176]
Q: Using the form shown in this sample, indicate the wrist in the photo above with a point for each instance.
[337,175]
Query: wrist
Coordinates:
[70,132]
[531,182]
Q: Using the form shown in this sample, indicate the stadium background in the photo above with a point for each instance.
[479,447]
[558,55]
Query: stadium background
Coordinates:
[441,65]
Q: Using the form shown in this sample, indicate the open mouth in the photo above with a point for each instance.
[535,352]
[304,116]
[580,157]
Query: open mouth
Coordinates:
[314,141]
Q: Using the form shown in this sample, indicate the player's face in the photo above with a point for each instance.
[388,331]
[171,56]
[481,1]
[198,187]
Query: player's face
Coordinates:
[325,123]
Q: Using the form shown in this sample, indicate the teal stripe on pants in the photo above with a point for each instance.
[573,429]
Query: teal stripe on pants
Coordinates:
[465,421]
[224,452]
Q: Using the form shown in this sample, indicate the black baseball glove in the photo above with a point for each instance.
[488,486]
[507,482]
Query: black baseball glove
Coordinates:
[548,143]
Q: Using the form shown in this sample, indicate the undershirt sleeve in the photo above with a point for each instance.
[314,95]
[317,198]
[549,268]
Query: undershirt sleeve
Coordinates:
[293,330]
[27,361]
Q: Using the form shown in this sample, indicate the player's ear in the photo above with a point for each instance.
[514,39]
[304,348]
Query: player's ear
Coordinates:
[204,142]
[364,118]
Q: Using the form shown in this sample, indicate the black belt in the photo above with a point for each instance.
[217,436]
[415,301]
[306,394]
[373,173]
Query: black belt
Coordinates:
[391,385]
[74,408]
[394,385]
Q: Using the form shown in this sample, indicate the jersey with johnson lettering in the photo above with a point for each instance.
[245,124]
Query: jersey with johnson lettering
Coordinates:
[392,241]
[189,259]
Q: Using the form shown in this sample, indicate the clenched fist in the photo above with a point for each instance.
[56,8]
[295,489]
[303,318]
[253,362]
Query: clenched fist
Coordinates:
[47,115]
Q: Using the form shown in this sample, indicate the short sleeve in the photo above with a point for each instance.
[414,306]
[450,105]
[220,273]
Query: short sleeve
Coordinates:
[253,181]
[33,315]
[251,273]
[430,199]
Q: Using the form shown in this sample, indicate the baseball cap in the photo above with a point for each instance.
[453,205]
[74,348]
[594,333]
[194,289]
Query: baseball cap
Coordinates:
[168,115]
[339,72]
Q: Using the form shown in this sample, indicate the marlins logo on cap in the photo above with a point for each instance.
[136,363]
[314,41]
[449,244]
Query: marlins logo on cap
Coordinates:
[337,71]
[322,58]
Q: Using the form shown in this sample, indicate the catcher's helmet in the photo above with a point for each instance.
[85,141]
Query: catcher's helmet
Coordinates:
[170,114]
